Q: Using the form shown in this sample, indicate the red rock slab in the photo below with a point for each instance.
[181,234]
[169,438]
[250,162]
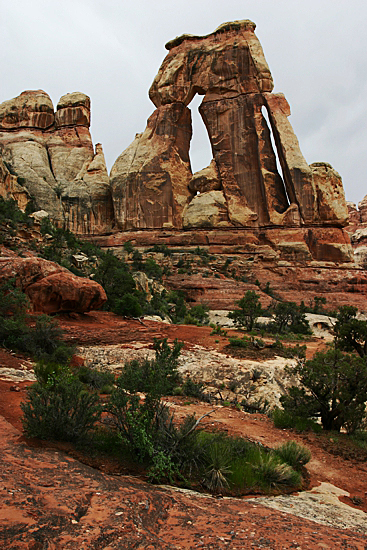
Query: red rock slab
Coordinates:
[49,500]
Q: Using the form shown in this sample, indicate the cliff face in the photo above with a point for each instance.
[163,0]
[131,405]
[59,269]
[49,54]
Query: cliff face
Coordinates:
[53,158]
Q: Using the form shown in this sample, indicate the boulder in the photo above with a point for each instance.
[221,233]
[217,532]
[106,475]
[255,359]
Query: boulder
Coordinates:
[207,179]
[206,210]
[31,109]
[73,110]
[50,287]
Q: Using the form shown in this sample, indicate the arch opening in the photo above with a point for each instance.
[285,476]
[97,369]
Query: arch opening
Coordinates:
[275,150]
[201,152]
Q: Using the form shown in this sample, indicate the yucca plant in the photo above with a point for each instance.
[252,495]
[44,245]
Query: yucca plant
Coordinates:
[218,458]
[294,454]
[272,472]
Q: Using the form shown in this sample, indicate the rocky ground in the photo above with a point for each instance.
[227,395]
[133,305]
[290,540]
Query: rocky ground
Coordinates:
[52,497]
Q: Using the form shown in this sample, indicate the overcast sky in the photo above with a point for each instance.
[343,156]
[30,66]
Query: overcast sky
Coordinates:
[112,49]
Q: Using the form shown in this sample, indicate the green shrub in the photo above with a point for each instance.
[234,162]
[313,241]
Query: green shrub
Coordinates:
[60,409]
[287,420]
[249,310]
[158,377]
[290,318]
[294,454]
[44,341]
[128,305]
[95,379]
[11,214]
[197,315]
[192,389]
[239,342]
[333,387]
[274,473]
[218,459]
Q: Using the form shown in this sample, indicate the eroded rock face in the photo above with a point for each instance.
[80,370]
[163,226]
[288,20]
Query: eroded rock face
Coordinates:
[50,287]
[331,204]
[229,69]
[150,180]
[207,210]
[10,188]
[53,156]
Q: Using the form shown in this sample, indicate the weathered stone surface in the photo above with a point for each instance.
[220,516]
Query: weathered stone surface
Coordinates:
[31,109]
[150,180]
[55,159]
[225,63]
[362,207]
[73,110]
[354,216]
[207,179]
[240,138]
[297,174]
[10,188]
[51,288]
[331,204]
[206,210]
[25,151]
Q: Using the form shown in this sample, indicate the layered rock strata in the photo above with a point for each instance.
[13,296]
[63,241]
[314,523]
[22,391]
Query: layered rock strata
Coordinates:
[53,157]
[240,113]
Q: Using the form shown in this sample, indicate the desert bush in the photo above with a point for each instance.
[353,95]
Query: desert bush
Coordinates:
[294,454]
[290,318]
[197,315]
[218,458]
[157,377]
[284,419]
[240,342]
[249,310]
[45,342]
[59,408]
[11,214]
[333,387]
[190,388]
[94,378]
[350,332]
[274,473]
[128,305]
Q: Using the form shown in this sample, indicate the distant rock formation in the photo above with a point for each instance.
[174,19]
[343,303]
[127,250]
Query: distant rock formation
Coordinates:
[53,158]
[229,69]
[262,198]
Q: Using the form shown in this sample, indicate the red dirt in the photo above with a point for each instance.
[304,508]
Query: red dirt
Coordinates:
[51,500]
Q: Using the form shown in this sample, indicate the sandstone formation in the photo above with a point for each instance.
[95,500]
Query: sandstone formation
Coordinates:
[50,287]
[150,180]
[229,69]
[53,156]
[10,188]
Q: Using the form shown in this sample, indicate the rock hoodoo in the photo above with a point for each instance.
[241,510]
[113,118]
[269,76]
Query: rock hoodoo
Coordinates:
[229,69]
[53,158]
